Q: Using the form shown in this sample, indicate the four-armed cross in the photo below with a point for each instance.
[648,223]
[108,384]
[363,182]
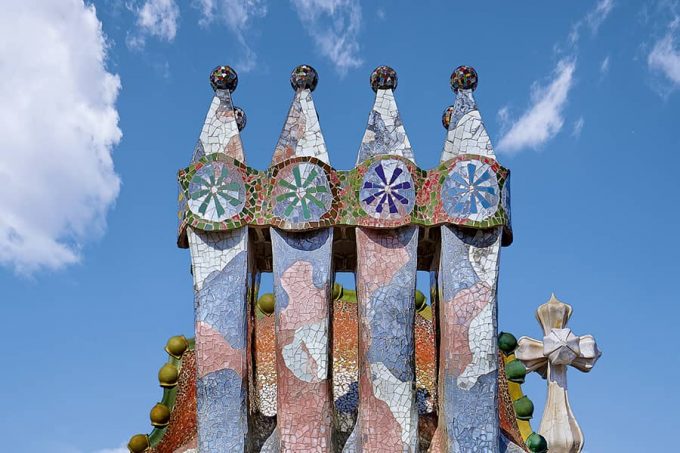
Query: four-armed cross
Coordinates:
[550,358]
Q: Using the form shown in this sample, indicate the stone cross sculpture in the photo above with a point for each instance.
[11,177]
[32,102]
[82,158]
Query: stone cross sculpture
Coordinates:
[550,358]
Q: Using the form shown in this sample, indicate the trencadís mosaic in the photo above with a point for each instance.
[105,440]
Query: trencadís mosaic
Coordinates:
[304,193]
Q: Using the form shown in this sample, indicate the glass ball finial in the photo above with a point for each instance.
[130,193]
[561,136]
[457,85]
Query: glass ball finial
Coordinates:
[464,78]
[446,117]
[304,77]
[384,78]
[223,78]
[241,118]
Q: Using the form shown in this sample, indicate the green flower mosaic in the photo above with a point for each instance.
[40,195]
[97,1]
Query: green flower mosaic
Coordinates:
[216,192]
[302,193]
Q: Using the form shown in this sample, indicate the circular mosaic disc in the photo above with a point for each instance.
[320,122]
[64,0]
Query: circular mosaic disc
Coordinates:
[217,192]
[470,191]
[302,193]
[387,191]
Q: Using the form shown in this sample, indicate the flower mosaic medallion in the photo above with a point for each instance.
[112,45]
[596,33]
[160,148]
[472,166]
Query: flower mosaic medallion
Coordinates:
[302,193]
[216,192]
[470,191]
[387,191]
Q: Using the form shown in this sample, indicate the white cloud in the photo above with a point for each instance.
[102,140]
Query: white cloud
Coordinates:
[597,16]
[578,127]
[58,123]
[544,117]
[237,15]
[593,20]
[114,450]
[604,66]
[334,25]
[382,15]
[665,55]
[159,18]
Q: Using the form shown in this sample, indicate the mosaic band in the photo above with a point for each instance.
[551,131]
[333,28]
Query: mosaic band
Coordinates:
[304,193]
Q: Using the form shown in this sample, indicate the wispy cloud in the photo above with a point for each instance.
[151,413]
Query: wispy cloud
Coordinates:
[157,18]
[544,117]
[114,450]
[593,20]
[597,16]
[578,127]
[334,25]
[604,66]
[58,132]
[665,54]
[238,16]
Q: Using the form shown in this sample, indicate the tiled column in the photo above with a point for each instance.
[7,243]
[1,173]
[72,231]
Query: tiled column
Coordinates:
[220,271]
[302,281]
[220,274]
[386,283]
[468,275]
[468,278]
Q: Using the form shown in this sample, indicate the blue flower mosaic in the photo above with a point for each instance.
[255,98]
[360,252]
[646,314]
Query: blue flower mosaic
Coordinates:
[387,191]
[302,193]
[471,191]
[216,192]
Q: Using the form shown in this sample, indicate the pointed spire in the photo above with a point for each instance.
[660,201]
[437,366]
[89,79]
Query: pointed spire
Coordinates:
[466,131]
[220,133]
[301,134]
[385,133]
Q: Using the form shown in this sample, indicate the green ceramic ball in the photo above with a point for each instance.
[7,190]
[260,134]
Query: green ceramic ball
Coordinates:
[507,342]
[537,443]
[138,443]
[176,346]
[160,415]
[266,303]
[515,371]
[420,300]
[524,408]
[168,375]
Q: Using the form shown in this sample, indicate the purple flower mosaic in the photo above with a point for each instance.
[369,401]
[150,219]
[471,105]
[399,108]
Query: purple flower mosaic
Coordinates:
[387,191]
[302,193]
[216,192]
[471,191]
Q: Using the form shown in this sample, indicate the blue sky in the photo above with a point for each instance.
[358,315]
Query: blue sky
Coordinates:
[102,103]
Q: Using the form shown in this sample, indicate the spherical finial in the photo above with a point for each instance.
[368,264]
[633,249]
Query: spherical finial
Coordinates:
[446,117]
[241,118]
[507,342]
[464,78]
[139,443]
[515,371]
[383,78]
[160,415]
[304,77]
[421,302]
[266,303]
[524,408]
[537,443]
[176,346]
[168,375]
[223,78]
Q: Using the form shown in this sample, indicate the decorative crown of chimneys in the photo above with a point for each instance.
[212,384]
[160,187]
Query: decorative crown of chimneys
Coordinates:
[219,192]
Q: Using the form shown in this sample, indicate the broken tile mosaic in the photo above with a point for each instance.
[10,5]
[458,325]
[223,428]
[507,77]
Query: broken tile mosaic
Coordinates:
[317,371]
